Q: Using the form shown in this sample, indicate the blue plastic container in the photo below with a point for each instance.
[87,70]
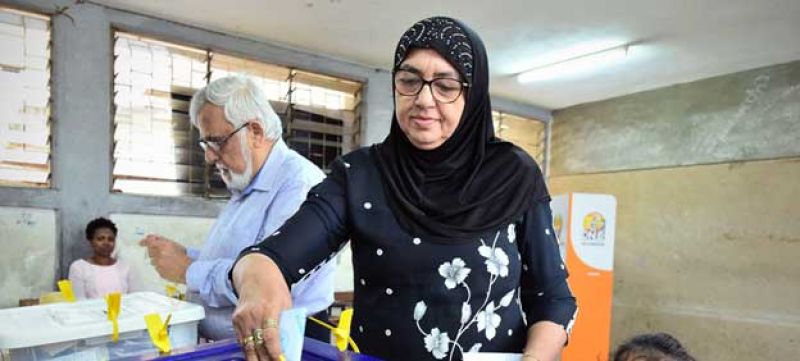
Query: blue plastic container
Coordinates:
[228,350]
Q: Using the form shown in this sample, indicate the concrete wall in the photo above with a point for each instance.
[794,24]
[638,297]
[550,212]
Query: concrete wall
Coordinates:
[82,127]
[744,116]
[26,268]
[709,251]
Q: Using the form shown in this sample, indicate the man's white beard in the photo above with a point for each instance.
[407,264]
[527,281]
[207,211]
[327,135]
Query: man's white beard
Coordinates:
[238,182]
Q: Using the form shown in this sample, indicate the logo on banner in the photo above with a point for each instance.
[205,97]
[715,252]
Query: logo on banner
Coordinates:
[558,226]
[594,229]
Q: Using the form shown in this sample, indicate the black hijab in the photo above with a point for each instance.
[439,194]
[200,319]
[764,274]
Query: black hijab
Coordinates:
[472,183]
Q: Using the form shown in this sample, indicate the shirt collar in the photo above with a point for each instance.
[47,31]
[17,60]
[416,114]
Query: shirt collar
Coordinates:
[267,176]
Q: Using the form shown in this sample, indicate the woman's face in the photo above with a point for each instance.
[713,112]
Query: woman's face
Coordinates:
[426,122]
[103,242]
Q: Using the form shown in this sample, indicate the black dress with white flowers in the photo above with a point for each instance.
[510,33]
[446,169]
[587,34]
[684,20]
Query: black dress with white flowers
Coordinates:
[421,298]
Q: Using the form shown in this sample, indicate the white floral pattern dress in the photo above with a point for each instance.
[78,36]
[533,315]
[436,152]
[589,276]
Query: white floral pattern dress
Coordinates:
[421,298]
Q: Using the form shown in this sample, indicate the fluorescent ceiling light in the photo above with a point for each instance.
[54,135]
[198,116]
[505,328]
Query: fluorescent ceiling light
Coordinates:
[575,65]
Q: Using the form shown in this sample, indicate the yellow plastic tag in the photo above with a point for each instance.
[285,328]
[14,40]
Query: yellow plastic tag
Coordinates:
[342,331]
[172,290]
[65,286]
[51,297]
[113,301]
[158,331]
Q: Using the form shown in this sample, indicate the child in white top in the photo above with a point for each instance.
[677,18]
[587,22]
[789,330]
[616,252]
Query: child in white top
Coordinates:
[100,274]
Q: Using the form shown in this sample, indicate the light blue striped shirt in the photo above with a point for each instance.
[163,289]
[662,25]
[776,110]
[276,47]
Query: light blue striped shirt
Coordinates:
[274,194]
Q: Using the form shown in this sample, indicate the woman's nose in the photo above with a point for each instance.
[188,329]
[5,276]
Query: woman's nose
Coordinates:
[425,96]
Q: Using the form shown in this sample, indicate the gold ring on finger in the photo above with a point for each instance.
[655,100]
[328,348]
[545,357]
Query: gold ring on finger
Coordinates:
[248,343]
[248,339]
[270,323]
[258,336]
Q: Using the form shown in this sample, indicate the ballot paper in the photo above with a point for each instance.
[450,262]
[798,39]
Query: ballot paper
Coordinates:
[492,356]
[292,328]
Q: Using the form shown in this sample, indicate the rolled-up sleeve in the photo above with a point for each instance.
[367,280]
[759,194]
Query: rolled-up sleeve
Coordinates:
[312,236]
[209,278]
[545,293]
[192,253]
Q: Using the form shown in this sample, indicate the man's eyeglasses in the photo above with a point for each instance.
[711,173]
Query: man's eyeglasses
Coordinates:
[216,143]
[443,90]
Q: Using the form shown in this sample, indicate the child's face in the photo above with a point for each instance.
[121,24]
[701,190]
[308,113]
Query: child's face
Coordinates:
[103,242]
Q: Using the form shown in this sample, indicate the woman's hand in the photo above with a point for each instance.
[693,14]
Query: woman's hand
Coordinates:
[263,295]
[546,339]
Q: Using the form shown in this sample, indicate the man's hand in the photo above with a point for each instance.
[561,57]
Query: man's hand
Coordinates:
[168,257]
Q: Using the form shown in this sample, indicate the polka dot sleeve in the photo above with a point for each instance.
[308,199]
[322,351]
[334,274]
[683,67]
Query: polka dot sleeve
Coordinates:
[545,293]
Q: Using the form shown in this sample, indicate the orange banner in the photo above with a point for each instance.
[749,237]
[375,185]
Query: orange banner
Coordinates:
[585,226]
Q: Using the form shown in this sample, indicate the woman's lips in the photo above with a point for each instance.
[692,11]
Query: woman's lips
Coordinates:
[423,121]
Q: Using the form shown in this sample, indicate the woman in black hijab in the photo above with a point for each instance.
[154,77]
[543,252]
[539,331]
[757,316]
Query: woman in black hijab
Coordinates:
[453,247]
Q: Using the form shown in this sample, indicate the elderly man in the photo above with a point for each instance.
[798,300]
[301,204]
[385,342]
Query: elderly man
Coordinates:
[241,136]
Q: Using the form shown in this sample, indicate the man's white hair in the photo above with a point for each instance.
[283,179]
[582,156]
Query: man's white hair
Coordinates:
[242,100]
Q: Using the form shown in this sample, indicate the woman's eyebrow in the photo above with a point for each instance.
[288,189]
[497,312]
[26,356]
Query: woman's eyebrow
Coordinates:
[444,74]
[410,69]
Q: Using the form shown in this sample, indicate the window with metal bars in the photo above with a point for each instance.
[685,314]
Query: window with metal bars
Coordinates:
[320,113]
[527,133]
[24,99]
[155,150]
